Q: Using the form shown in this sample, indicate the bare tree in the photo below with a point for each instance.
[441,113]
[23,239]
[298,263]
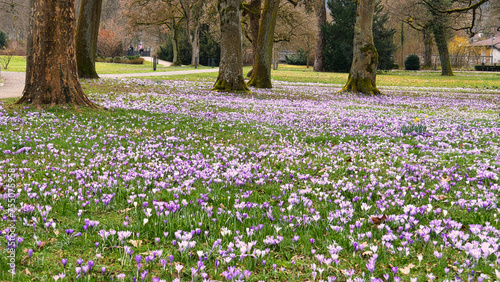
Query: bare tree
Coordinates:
[320,10]
[87,32]
[166,13]
[261,74]
[192,10]
[51,76]
[362,77]
[231,68]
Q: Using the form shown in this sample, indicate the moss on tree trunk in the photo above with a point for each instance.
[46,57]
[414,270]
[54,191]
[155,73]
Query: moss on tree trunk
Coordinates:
[87,31]
[427,47]
[231,66]
[363,73]
[261,73]
[176,60]
[51,76]
[253,11]
[439,31]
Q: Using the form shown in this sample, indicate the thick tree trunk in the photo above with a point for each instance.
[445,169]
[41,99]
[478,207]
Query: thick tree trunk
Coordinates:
[231,64]
[192,15]
[195,45]
[362,77]
[176,60]
[320,45]
[261,74]
[29,39]
[254,17]
[87,31]
[51,76]
[439,31]
[427,47]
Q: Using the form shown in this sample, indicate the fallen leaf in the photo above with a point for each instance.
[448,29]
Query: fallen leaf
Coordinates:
[445,179]
[26,271]
[379,220]
[367,253]
[125,210]
[146,253]
[56,231]
[442,197]
[406,270]
[136,243]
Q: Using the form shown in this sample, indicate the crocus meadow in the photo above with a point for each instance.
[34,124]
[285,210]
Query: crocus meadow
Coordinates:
[173,182]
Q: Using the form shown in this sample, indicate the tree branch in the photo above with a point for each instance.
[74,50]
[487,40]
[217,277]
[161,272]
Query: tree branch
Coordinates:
[457,10]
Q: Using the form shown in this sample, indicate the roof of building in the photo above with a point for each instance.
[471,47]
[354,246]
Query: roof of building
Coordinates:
[488,42]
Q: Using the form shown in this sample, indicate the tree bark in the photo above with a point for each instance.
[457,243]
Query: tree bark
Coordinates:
[439,31]
[87,32]
[427,47]
[231,64]
[362,77]
[261,74]
[321,43]
[192,15]
[253,9]
[176,60]
[51,76]
[195,44]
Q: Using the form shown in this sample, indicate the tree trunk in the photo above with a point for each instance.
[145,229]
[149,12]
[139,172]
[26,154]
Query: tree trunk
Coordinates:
[438,29]
[195,44]
[51,75]
[362,77]
[176,60]
[231,64]
[254,17]
[320,45]
[427,47]
[261,74]
[87,31]
[192,15]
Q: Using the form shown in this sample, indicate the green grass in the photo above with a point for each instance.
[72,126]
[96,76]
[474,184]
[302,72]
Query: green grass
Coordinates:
[18,64]
[186,129]
[431,79]
[301,74]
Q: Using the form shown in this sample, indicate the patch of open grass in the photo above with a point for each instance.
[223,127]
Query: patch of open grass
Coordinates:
[296,183]
[18,64]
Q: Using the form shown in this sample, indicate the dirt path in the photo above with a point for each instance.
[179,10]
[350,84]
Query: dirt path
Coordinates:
[13,84]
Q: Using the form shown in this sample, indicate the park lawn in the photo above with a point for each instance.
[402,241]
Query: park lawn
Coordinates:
[18,64]
[297,183]
[395,79]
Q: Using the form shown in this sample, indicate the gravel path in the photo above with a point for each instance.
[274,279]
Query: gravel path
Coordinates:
[13,82]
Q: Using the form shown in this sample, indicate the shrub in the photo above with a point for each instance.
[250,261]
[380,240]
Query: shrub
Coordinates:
[109,44]
[3,40]
[133,57]
[299,58]
[412,62]
[136,61]
[487,68]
